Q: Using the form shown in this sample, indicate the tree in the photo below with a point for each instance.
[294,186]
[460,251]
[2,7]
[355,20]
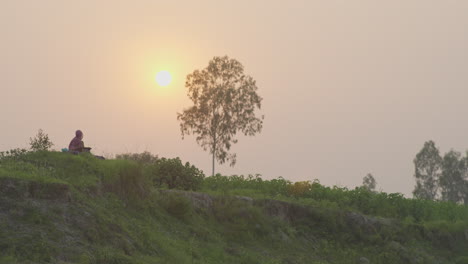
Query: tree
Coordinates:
[40,142]
[224,103]
[452,181]
[427,165]
[464,161]
[369,182]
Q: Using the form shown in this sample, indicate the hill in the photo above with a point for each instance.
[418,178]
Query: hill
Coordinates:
[63,208]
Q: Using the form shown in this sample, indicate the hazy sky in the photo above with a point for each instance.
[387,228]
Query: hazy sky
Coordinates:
[349,87]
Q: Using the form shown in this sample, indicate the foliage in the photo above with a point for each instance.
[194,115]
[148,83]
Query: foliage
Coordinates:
[224,102]
[171,173]
[13,153]
[225,184]
[299,189]
[40,142]
[452,183]
[427,165]
[143,158]
[393,205]
[369,182]
[441,178]
[97,225]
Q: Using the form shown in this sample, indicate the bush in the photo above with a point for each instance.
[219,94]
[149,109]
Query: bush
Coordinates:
[298,189]
[392,205]
[171,173]
[40,142]
[13,154]
[253,183]
[142,158]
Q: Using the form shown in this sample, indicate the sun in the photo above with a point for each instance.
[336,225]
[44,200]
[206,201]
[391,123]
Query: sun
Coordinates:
[163,78]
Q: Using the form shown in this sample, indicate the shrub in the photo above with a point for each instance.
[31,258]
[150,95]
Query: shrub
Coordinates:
[392,205]
[298,189]
[255,183]
[40,142]
[142,158]
[171,173]
[13,153]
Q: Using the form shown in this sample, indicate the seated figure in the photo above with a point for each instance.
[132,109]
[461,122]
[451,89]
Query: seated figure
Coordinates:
[77,144]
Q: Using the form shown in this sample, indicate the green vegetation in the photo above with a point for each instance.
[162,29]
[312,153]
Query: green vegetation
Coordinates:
[441,178]
[171,173]
[369,182]
[64,208]
[40,142]
[224,102]
[361,200]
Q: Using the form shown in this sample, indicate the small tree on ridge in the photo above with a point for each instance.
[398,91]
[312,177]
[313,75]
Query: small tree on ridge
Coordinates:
[40,142]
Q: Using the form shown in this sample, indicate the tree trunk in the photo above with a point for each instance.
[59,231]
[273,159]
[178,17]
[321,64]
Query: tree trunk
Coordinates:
[214,154]
[213,164]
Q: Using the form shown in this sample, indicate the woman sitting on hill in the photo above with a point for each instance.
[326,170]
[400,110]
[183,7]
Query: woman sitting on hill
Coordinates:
[77,144]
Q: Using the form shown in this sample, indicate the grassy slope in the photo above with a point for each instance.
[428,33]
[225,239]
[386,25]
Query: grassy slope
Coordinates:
[60,208]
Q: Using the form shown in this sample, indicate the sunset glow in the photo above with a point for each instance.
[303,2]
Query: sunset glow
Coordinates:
[349,87]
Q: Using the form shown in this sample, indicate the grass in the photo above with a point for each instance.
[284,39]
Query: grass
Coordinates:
[110,212]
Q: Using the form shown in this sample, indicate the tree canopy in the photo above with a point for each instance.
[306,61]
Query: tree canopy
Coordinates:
[452,182]
[224,103]
[427,163]
[369,182]
[437,177]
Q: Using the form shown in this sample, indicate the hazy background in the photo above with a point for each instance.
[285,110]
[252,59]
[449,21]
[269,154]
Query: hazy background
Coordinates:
[349,87]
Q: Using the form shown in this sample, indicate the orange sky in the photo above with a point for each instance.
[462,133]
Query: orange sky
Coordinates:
[349,87]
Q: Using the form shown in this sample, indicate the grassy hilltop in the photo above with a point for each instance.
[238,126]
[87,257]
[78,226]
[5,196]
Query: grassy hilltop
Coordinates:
[63,208]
